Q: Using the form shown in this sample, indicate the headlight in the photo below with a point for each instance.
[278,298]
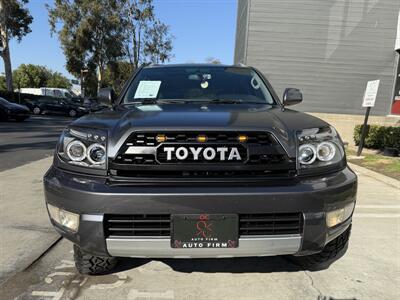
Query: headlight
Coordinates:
[96,154]
[84,147]
[307,154]
[76,150]
[319,147]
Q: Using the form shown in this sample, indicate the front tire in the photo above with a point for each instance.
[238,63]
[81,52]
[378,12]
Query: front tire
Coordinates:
[91,264]
[332,251]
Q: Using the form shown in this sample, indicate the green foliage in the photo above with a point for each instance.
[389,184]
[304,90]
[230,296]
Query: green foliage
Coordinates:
[15,22]
[117,74]
[57,80]
[15,19]
[379,137]
[91,34]
[3,85]
[147,39]
[35,76]
[212,60]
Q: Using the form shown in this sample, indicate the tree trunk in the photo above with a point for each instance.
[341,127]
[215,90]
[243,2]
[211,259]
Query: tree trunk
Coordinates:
[7,68]
[6,57]
[99,78]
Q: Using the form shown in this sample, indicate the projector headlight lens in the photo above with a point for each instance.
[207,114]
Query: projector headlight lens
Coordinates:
[96,154]
[76,150]
[307,154]
[326,151]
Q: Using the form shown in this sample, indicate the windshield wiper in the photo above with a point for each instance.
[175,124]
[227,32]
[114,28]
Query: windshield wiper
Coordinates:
[146,101]
[234,101]
[225,101]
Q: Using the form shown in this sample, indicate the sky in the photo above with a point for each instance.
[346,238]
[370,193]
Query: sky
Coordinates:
[202,28]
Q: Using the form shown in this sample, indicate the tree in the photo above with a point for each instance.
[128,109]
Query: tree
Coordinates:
[57,80]
[117,74]
[91,35]
[147,39]
[15,22]
[213,60]
[35,76]
[31,76]
[3,85]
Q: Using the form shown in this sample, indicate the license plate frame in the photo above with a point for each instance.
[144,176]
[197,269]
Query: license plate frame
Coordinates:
[201,231]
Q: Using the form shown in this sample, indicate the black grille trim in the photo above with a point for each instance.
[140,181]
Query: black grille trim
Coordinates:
[266,157]
[159,225]
[270,224]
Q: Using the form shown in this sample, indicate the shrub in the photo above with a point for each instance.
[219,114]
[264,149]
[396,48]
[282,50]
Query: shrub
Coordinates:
[378,137]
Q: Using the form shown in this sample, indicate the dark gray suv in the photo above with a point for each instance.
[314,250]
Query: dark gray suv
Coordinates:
[195,161]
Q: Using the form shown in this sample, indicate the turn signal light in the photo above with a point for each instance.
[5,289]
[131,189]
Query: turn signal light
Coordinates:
[202,138]
[161,138]
[242,138]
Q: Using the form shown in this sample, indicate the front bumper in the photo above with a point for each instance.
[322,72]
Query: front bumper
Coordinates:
[92,198]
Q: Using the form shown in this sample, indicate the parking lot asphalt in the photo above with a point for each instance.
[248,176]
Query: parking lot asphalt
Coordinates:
[30,140]
[369,270]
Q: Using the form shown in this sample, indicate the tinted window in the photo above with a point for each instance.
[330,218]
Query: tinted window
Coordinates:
[200,83]
[58,94]
[48,100]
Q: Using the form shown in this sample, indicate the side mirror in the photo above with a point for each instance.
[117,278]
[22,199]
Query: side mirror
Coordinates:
[106,96]
[292,96]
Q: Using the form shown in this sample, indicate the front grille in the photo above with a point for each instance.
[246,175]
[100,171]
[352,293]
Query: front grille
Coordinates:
[160,225]
[265,157]
[270,224]
[137,225]
[149,138]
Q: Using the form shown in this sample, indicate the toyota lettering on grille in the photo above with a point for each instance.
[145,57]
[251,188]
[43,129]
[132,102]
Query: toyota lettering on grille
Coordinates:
[208,153]
[201,153]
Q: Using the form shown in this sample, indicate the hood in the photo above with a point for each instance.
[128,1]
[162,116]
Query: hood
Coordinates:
[121,121]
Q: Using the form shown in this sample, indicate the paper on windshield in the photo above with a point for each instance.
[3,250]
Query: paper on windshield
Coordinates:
[147,89]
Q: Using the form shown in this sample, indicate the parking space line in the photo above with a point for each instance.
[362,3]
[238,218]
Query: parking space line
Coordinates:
[379,206]
[52,295]
[373,215]
[135,294]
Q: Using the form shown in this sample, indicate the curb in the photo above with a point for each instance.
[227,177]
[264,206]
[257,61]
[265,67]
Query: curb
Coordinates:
[375,175]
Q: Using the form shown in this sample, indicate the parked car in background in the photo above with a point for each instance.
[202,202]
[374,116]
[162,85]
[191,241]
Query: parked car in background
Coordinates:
[51,92]
[91,103]
[51,105]
[9,110]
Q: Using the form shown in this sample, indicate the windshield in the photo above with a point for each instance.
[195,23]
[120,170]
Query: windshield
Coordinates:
[199,83]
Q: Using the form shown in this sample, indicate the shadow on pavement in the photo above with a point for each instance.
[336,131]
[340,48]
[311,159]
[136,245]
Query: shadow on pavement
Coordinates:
[270,264]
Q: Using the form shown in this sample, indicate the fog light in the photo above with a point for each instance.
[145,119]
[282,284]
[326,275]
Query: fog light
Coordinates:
[338,216]
[64,218]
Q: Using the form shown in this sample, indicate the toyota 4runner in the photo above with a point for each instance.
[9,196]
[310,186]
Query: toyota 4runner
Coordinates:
[195,161]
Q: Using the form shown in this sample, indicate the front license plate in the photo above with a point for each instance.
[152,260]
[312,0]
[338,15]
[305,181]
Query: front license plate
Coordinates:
[204,231]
